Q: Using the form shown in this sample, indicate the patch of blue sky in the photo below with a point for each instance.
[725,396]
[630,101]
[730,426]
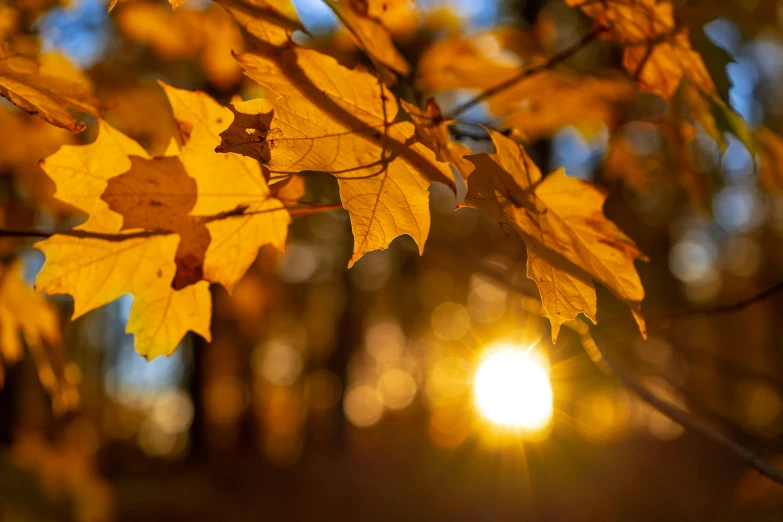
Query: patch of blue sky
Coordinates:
[81,31]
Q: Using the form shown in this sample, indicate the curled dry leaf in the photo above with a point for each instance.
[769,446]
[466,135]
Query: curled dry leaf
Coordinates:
[23,83]
[432,131]
[561,220]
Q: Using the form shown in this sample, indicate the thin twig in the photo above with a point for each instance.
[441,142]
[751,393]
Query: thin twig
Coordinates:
[315,210]
[554,60]
[733,307]
[687,421]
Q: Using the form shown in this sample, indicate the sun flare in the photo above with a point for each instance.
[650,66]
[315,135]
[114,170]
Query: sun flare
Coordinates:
[511,388]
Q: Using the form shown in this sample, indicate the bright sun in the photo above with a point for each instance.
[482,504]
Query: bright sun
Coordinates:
[511,388]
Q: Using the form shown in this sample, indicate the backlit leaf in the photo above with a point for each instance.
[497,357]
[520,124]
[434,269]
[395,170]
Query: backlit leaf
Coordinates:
[561,220]
[322,116]
[22,82]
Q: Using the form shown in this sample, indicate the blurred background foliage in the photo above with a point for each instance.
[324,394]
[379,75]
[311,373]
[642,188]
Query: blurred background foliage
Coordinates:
[329,394]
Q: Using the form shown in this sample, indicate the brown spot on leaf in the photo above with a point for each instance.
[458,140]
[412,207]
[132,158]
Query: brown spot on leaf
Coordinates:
[185,129]
[190,270]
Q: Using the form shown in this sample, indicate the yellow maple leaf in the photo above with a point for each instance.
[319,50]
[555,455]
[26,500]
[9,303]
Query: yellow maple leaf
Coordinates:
[323,116]
[561,220]
[160,228]
[157,194]
[241,184]
[23,83]
[82,172]
[363,23]
[96,271]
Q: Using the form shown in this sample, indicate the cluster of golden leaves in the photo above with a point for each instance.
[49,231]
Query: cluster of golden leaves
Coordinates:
[162,228]
[347,127]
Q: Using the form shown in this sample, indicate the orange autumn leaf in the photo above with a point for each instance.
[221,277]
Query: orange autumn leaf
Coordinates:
[28,319]
[157,194]
[658,53]
[24,84]
[561,220]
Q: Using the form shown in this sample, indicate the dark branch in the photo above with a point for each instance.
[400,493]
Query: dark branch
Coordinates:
[687,421]
[309,208]
[733,307]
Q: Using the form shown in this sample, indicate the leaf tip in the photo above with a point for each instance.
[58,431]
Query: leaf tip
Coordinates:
[555,330]
[640,322]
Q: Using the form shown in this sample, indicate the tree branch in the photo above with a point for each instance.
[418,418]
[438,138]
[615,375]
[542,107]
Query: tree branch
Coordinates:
[554,60]
[733,307]
[680,416]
